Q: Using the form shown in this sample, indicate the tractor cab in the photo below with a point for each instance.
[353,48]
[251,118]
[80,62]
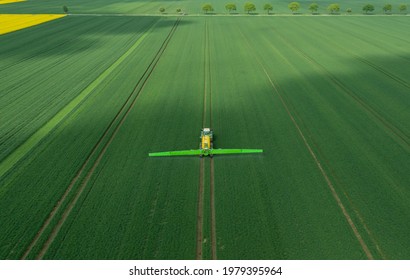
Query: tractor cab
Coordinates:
[206,139]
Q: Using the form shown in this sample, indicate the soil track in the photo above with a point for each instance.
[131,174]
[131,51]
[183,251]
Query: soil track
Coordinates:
[212,183]
[206,115]
[213,222]
[97,152]
[200,212]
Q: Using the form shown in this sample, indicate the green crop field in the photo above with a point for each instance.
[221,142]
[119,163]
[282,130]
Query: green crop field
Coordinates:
[85,98]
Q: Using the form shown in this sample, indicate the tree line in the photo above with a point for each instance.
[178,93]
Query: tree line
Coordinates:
[334,8]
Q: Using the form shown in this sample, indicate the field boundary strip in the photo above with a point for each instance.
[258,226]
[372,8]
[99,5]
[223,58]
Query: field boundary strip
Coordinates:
[347,216]
[102,145]
[236,15]
[21,151]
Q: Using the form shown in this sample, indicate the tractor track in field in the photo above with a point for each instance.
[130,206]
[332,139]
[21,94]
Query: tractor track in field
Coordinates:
[211,160]
[276,90]
[97,151]
[362,59]
[385,123]
[200,211]
[206,114]
[212,206]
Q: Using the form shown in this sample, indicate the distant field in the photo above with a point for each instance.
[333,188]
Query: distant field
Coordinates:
[84,99]
[189,7]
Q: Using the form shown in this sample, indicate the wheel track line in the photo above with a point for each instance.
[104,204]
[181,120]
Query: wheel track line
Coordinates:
[324,174]
[31,142]
[207,94]
[316,160]
[364,60]
[363,223]
[338,181]
[131,99]
[391,127]
[114,133]
[381,70]
[213,219]
[212,172]
[200,208]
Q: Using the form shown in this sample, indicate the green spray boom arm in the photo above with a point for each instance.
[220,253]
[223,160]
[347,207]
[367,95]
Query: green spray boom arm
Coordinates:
[205,152]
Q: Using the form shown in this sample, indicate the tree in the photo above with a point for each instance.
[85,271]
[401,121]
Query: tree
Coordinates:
[294,6]
[333,8]
[349,10]
[65,9]
[179,10]
[402,7]
[207,8]
[313,7]
[162,10]
[268,7]
[249,7]
[387,8]
[368,8]
[230,7]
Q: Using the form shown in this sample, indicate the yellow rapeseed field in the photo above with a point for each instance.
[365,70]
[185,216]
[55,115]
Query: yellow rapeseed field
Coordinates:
[11,22]
[10,1]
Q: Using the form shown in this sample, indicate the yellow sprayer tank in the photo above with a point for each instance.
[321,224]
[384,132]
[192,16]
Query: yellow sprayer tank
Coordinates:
[206,139]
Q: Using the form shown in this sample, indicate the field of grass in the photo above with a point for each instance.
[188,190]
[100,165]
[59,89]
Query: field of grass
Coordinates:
[84,99]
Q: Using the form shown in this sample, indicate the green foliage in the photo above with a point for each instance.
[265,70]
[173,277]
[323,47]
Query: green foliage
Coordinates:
[313,7]
[333,8]
[162,10]
[368,8]
[178,10]
[65,9]
[349,10]
[402,7]
[207,8]
[387,8]
[230,7]
[249,7]
[268,7]
[269,206]
[294,6]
